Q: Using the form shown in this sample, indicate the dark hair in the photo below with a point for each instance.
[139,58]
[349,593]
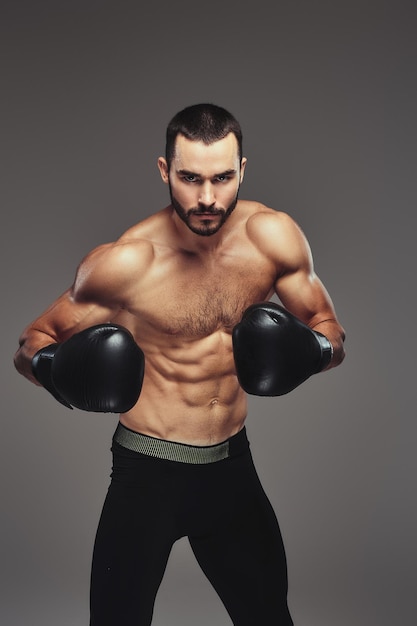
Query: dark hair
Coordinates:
[201,122]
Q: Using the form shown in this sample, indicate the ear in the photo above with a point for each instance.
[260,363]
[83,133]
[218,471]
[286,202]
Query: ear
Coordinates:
[242,167]
[163,169]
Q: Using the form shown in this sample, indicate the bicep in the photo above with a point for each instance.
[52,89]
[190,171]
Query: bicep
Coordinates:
[96,296]
[298,286]
[303,294]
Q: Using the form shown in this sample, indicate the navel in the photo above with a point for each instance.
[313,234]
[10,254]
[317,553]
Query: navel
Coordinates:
[214,401]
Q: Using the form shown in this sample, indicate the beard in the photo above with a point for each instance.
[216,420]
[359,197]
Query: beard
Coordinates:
[207,227]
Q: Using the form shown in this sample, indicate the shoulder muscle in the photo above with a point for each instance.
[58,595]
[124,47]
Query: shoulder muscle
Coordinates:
[281,239]
[108,272]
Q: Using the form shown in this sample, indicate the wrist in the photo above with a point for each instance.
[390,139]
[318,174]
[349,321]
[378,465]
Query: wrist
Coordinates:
[42,363]
[42,371]
[327,351]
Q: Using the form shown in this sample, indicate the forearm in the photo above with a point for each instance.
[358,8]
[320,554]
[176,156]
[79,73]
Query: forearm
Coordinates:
[60,321]
[29,343]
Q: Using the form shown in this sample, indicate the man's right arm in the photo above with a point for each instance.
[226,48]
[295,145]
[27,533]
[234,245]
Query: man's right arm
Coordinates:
[63,318]
[74,350]
[76,353]
[95,297]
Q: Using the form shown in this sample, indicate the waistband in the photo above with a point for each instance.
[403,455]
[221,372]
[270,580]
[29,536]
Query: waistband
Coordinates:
[181,452]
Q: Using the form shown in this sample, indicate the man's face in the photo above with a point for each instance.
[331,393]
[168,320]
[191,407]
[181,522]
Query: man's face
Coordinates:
[204,182]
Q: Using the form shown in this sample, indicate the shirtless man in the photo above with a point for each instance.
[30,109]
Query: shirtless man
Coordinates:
[191,286]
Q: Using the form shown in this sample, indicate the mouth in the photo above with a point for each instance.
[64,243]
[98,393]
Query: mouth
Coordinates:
[206,213]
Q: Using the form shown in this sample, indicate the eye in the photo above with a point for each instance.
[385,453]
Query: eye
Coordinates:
[222,178]
[190,178]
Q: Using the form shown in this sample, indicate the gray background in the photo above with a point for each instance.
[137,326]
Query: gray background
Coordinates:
[326,95]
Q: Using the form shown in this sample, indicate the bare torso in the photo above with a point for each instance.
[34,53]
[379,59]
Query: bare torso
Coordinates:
[181,295]
[181,311]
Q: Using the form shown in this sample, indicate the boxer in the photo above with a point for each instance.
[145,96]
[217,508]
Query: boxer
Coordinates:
[170,327]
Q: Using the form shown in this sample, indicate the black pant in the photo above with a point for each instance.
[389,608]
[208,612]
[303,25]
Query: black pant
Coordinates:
[229,522]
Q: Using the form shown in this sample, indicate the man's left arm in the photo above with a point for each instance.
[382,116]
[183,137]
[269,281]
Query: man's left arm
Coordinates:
[303,294]
[276,348]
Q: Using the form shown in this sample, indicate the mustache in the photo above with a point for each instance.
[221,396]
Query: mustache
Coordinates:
[205,211]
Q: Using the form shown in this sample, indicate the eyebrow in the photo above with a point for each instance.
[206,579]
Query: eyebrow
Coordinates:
[190,173]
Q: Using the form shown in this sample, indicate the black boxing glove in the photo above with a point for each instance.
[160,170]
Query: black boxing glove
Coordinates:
[275,352]
[98,369]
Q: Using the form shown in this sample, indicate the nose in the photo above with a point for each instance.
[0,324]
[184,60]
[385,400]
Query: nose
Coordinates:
[207,196]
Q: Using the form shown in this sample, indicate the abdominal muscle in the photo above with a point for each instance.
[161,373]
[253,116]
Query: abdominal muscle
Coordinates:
[190,392]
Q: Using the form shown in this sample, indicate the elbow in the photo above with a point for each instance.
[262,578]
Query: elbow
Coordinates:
[19,361]
[340,357]
[23,364]
[339,350]
[17,358]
